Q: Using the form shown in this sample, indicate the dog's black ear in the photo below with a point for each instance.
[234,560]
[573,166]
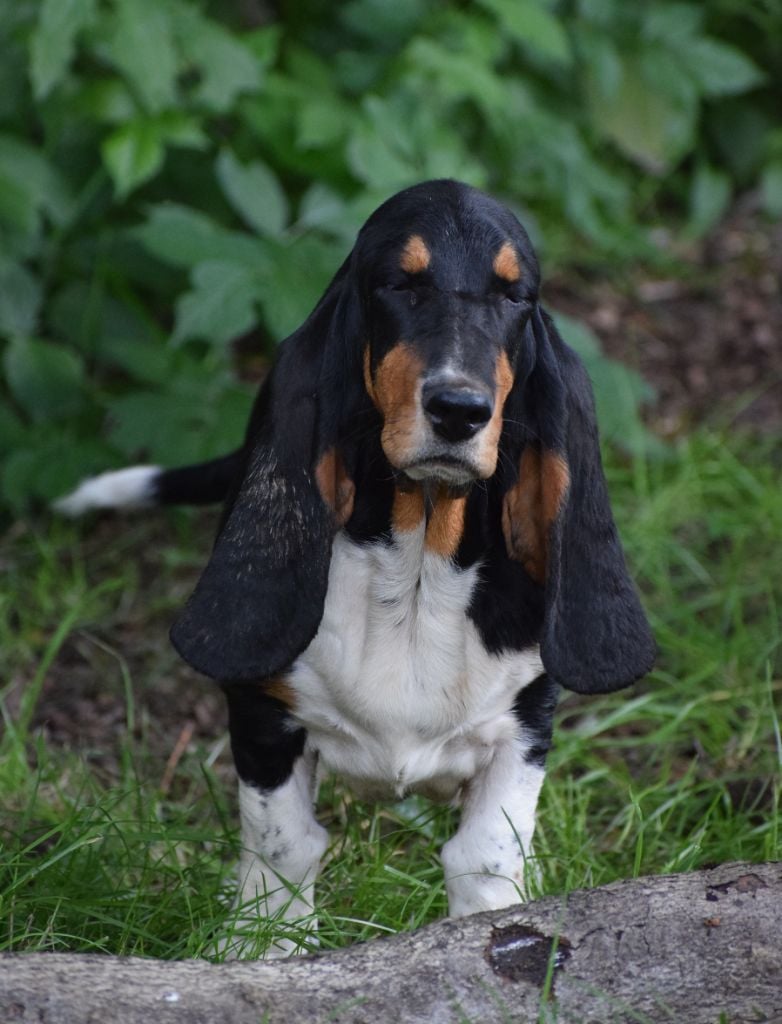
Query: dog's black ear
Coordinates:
[260,599]
[557,521]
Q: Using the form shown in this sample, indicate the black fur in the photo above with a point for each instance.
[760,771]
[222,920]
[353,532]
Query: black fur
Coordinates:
[260,599]
[204,484]
[264,741]
[594,636]
[534,710]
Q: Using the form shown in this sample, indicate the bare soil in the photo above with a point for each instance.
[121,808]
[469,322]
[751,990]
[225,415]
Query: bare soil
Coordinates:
[709,340]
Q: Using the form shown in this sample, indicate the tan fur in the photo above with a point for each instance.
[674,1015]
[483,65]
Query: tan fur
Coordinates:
[506,263]
[415,255]
[531,506]
[281,690]
[503,382]
[395,392]
[408,509]
[446,524]
[335,486]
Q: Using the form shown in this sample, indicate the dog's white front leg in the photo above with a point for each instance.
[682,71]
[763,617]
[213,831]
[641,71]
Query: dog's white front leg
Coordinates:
[282,845]
[485,860]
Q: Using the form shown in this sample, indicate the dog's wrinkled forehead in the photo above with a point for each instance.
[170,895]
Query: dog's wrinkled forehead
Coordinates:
[456,237]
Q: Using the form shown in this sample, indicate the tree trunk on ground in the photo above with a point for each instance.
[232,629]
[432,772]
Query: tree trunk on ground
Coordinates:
[678,948]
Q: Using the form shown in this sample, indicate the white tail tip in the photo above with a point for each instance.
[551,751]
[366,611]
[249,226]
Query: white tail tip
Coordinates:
[129,488]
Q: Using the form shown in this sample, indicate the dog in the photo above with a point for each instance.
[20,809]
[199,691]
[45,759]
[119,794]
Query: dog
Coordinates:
[417,551]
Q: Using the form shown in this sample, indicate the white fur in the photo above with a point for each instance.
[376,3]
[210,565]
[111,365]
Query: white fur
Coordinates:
[133,487]
[397,691]
[486,861]
[282,845]
[398,694]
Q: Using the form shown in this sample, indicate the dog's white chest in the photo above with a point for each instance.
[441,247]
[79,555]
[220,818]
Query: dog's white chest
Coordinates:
[397,691]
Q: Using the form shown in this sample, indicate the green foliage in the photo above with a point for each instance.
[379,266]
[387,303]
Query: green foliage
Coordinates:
[172,178]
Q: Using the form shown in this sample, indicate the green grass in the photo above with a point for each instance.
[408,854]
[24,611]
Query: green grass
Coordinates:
[680,772]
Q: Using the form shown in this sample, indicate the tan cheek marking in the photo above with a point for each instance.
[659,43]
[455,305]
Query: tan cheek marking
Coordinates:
[503,382]
[281,690]
[530,508]
[335,486]
[445,528]
[506,263]
[396,395]
[415,255]
[408,510]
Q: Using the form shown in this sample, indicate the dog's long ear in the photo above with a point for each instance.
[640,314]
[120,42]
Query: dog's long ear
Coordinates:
[557,521]
[260,599]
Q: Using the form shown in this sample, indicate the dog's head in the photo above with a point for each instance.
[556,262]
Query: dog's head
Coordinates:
[447,279]
[431,342]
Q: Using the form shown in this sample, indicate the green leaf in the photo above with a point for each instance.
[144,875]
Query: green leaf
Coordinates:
[20,300]
[675,24]
[134,153]
[201,415]
[398,142]
[531,23]
[720,69]
[580,337]
[294,280]
[323,208]
[107,100]
[156,425]
[45,379]
[33,178]
[654,124]
[771,186]
[48,463]
[142,47]
[709,197]
[458,75]
[321,122]
[226,66]
[220,306]
[12,430]
[619,391]
[254,192]
[184,237]
[54,40]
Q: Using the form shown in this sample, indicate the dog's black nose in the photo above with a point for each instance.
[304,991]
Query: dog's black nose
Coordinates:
[456,414]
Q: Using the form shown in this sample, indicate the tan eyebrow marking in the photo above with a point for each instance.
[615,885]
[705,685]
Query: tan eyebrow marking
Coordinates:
[415,255]
[506,263]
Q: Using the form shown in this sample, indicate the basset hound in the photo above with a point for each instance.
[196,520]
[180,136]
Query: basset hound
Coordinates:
[417,552]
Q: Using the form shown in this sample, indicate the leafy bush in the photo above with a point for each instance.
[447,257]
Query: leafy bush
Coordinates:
[171,180]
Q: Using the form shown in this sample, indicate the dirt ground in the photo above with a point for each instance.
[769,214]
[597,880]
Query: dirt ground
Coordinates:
[708,340]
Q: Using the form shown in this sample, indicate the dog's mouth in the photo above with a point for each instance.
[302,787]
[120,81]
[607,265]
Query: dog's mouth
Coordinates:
[442,469]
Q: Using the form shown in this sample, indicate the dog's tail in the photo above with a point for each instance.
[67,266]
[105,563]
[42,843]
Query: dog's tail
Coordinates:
[205,483]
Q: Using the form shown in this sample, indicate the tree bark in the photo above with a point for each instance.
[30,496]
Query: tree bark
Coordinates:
[693,949]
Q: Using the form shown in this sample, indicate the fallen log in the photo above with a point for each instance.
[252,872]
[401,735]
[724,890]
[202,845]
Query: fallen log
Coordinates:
[695,949]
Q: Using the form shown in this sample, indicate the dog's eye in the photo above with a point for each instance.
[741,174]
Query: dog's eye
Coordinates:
[406,288]
[517,301]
